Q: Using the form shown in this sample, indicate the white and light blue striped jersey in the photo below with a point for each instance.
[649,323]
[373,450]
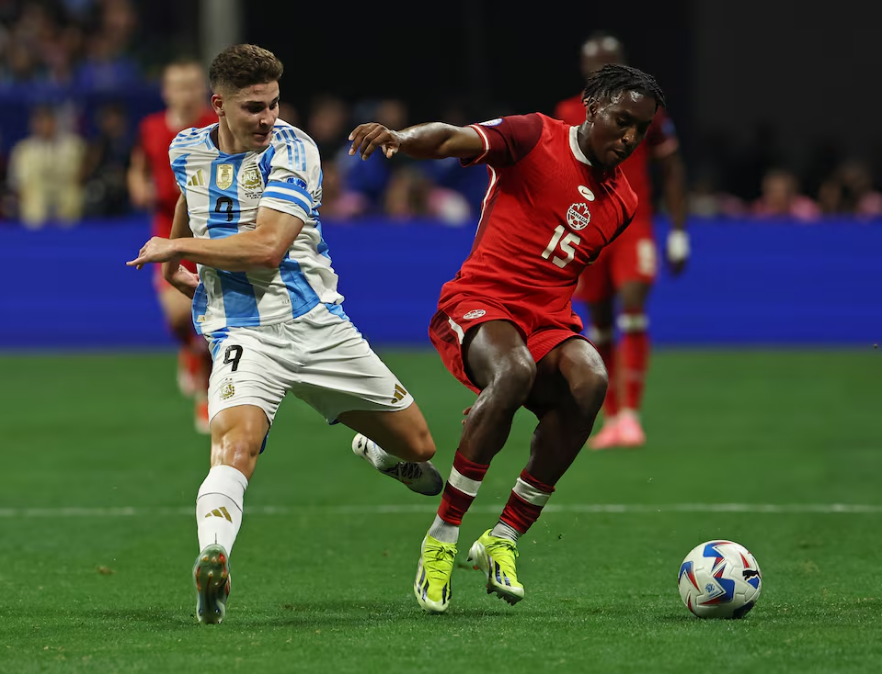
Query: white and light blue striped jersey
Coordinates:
[224,192]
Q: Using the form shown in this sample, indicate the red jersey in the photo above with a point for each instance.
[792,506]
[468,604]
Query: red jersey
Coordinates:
[546,216]
[154,138]
[660,142]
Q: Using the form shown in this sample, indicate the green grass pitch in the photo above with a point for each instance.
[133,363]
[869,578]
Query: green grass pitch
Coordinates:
[100,468]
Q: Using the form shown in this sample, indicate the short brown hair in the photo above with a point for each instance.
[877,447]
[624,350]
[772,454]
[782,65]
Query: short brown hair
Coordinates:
[244,65]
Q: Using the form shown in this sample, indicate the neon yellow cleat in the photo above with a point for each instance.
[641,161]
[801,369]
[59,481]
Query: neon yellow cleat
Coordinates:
[432,587]
[496,557]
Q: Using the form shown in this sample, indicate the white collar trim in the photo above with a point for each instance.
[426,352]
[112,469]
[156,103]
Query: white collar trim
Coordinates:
[575,148]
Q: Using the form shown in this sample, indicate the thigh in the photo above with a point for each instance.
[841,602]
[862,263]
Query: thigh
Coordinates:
[248,368]
[453,330]
[338,371]
[496,348]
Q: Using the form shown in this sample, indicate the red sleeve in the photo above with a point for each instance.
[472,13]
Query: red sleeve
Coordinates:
[507,140]
[661,139]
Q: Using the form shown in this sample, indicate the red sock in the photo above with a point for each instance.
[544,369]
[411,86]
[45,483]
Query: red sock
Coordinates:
[461,489]
[635,354]
[603,341]
[526,502]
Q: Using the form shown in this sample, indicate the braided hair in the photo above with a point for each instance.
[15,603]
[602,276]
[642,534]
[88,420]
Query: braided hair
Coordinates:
[613,79]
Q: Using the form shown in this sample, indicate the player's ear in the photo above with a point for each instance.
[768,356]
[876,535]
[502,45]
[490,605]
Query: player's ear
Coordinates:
[218,105]
[591,109]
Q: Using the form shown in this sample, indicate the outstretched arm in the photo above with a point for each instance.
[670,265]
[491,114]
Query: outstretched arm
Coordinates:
[263,247]
[433,140]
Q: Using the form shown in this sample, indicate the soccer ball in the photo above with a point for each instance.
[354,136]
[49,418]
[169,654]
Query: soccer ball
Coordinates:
[719,579]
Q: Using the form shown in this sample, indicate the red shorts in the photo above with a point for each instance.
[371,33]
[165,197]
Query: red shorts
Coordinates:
[453,320]
[631,257]
[162,226]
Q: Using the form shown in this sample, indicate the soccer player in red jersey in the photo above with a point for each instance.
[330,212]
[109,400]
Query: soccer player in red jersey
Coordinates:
[152,185]
[627,269]
[504,326]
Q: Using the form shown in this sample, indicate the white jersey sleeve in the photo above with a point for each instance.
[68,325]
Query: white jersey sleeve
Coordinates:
[294,180]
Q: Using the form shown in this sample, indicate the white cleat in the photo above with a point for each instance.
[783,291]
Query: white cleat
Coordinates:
[421,477]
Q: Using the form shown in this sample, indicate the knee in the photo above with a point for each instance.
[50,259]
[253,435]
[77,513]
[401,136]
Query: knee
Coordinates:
[589,389]
[237,449]
[513,381]
[421,446]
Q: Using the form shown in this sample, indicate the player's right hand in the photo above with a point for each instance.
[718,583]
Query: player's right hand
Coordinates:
[368,137]
[157,249]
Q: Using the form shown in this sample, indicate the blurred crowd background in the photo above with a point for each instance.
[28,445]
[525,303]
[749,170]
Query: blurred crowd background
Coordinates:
[77,76]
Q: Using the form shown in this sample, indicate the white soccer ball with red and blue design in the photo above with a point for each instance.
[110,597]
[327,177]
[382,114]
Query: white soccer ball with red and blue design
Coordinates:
[719,579]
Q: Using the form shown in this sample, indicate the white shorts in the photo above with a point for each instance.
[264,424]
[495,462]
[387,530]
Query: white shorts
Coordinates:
[319,357]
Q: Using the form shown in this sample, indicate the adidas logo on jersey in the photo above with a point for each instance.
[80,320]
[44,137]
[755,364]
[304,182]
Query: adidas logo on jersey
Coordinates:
[197,179]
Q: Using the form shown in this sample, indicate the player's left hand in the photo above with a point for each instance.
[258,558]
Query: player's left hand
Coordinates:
[157,249]
[677,250]
[368,137]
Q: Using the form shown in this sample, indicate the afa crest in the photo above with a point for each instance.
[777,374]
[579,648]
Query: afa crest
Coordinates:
[250,179]
[228,390]
[224,176]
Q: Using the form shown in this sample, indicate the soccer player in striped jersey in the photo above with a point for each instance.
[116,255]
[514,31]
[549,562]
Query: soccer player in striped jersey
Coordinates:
[266,299]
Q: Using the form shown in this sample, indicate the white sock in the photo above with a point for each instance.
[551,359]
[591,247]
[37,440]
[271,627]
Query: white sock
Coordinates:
[444,532]
[381,459]
[503,530]
[219,507]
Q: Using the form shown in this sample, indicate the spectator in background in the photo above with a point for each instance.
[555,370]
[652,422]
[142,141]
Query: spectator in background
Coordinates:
[327,123]
[107,161]
[44,172]
[20,65]
[61,56]
[780,197]
[411,194]
[105,67]
[707,199]
[850,191]
[109,62]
